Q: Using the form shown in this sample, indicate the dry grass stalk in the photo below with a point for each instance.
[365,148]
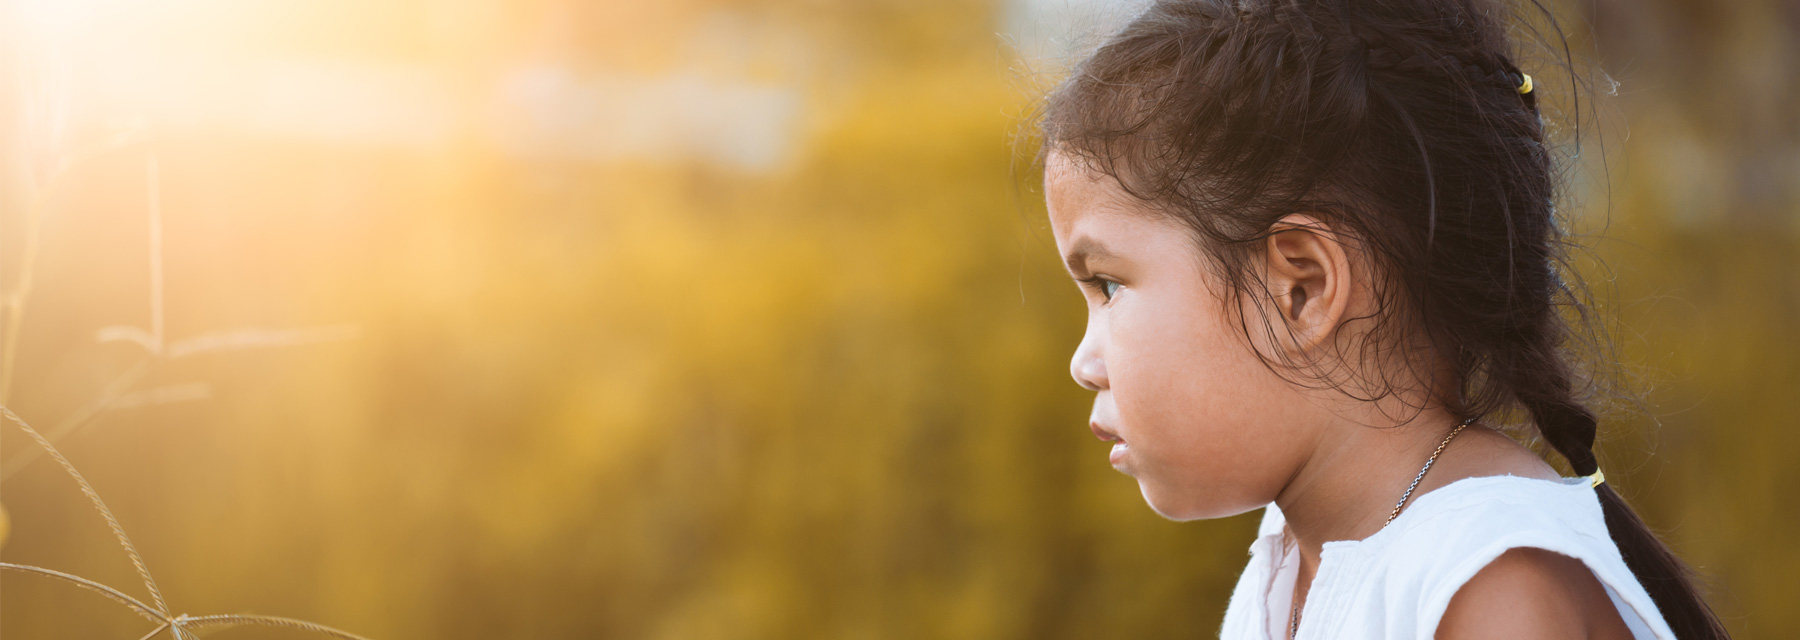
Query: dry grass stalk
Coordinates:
[177,625]
[114,594]
[99,505]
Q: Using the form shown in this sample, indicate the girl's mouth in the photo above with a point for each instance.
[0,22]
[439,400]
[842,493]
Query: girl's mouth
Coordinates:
[1118,455]
[1119,449]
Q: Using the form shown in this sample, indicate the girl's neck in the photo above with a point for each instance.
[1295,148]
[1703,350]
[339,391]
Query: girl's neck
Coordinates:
[1350,484]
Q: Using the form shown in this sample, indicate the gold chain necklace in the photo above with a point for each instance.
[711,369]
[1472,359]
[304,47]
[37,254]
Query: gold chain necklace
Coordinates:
[1294,609]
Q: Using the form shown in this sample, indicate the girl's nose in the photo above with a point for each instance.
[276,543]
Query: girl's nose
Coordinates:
[1087,367]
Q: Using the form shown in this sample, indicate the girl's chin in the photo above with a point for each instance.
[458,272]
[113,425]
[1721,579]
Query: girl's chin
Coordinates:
[1182,507]
[1170,511]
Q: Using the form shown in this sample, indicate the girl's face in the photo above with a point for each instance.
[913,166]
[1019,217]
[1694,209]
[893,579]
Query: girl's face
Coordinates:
[1194,415]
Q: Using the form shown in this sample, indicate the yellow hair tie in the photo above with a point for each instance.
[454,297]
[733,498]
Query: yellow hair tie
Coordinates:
[1598,476]
[1524,88]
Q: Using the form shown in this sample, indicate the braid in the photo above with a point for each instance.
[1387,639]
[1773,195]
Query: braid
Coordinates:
[1542,386]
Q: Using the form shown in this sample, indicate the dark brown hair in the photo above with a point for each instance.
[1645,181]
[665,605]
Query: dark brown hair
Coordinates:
[1402,124]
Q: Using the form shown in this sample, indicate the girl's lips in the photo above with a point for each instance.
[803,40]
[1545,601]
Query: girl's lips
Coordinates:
[1119,448]
[1118,455]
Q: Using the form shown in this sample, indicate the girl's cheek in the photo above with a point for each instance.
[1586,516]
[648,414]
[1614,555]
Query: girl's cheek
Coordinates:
[1139,373]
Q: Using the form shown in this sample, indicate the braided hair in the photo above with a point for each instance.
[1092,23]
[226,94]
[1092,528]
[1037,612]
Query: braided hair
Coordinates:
[1406,124]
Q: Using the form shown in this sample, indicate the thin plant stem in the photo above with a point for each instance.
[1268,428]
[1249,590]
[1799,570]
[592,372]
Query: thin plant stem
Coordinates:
[116,595]
[266,621]
[15,301]
[100,505]
[108,396]
[34,220]
[159,628]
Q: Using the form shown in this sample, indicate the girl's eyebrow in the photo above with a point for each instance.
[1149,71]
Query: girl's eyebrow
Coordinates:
[1085,248]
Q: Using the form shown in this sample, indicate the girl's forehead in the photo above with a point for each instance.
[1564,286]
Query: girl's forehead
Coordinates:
[1070,190]
[1078,198]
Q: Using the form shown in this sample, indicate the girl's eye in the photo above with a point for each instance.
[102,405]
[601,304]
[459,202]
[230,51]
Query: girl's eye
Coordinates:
[1107,288]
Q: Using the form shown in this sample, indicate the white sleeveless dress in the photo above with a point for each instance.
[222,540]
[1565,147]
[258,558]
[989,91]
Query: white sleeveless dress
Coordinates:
[1398,582]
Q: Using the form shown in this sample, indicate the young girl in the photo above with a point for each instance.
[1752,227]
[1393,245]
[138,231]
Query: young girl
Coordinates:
[1318,247]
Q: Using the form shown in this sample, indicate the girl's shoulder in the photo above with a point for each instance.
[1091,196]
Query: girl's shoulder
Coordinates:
[1401,579]
[1485,510]
[1444,537]
[1448,535]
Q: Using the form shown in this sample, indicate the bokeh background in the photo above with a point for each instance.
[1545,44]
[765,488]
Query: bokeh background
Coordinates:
[723,319]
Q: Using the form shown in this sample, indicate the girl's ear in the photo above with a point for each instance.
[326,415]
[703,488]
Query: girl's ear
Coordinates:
[1308,277]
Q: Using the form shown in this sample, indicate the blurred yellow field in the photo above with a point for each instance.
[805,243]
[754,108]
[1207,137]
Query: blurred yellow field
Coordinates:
[698,319]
